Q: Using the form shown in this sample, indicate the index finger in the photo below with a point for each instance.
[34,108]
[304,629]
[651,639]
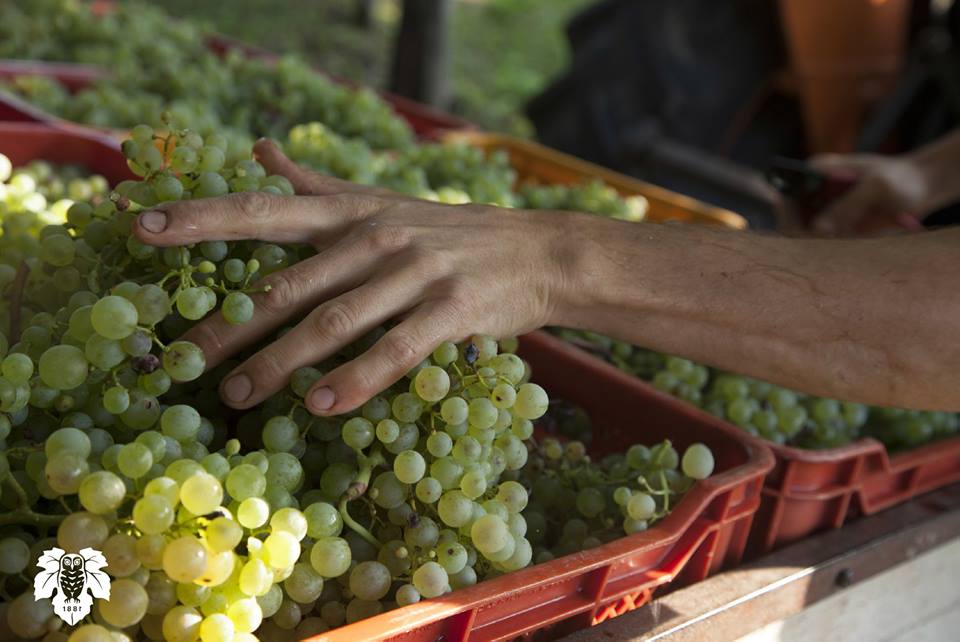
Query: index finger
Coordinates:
[252,215]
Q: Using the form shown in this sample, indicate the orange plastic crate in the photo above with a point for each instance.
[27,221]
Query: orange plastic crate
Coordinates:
[536,163]
[808,491]
[707,530]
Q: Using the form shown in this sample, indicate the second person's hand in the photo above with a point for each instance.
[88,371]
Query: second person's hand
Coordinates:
[446,271]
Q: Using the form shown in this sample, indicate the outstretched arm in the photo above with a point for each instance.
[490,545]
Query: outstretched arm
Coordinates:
[859,320]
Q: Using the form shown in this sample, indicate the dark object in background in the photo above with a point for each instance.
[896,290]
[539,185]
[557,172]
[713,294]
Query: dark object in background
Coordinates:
[421,60]
[654,84]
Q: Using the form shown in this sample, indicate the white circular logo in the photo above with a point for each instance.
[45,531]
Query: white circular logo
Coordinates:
[73,580]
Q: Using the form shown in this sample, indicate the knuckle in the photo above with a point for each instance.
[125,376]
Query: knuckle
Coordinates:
[207,337]
[401,349]
[254,205]
[457,293]
[283,293]
[386,238]
[267,365]
[335,319]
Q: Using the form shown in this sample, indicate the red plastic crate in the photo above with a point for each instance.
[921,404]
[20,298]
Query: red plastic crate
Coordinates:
[23,142]
[707,530]
[813,490]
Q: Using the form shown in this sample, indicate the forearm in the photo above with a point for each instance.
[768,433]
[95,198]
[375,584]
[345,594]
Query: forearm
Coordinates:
[867,320]
[939,164]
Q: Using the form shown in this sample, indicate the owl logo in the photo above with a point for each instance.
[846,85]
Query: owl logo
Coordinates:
[72,580]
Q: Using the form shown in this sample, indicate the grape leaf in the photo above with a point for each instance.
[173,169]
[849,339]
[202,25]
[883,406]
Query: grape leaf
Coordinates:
[97,581]
[46,581]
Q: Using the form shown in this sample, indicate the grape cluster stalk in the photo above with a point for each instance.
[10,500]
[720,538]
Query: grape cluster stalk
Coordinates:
[272,523]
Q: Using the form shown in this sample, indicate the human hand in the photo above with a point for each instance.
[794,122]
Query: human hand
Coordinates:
[889,189]
[446,271]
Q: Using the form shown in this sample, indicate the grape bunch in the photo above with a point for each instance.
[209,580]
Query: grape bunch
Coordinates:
[594,197]
[158,64]
[621,494]
[763,409]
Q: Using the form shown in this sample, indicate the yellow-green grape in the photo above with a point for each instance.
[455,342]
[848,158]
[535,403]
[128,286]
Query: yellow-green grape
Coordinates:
[697,462]
[101,492]
[531,402]
[127,604]
[152,514]
[245,615]
[431,580]
[432,383]
[201,494]
[218,568]
[253,512]
[223,534]
[330,556]
[283,549]
[256,578]
[184,559]
[217,628]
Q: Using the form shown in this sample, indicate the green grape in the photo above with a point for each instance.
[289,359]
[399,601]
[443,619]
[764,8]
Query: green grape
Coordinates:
[127,604]
[323,520]
[439,444]
[14,555]
[531,402]
[430,580]
[153,514]
[67,441]
[455,509]
[454,410]
[387,431]
[237,308]
[482,413]
[101,492]
[358,432]
[64,472]
[183,361]
[330,556]
[409,466]
[280,434]
[253,512]
[432,383]
[63,367]
[697,462]
[370,580]
[116,400]
[17,368]
[201,494]
[217,628]
[184,558]
[194,303]
[223,534]
[103,353]
[180,422]
[406,407]
[256,578]
[114,317]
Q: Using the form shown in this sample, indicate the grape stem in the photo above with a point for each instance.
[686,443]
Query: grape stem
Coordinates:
[16,297]
[356,527]
[357,488]
[23,514]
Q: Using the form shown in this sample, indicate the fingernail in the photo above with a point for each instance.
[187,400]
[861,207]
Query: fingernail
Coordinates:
[153,221]
[237,388]
[322,398]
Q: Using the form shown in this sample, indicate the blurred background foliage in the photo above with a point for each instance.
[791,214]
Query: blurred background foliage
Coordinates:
[503,52]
